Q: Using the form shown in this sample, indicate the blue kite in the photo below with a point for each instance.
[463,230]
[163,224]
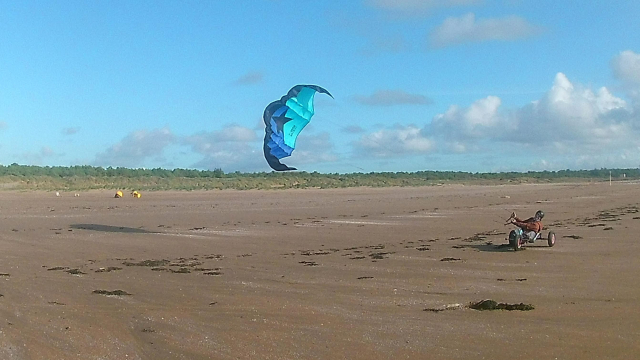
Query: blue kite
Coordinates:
[284,119]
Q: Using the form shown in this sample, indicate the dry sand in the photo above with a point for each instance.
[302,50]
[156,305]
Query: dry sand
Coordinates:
[319,274]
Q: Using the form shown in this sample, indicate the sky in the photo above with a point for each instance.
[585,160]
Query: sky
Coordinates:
[462,85]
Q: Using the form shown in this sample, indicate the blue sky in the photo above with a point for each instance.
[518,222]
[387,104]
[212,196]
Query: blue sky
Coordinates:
[469,85]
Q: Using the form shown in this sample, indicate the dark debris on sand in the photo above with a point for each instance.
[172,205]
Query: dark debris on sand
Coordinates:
[476,237]
[518,279]
[308,263]
[150,263]
[182,270]
[111,293]
[445,308]
[57,268]
[379,255]
[313,252]
[75,272]
[489,304]
[213,273]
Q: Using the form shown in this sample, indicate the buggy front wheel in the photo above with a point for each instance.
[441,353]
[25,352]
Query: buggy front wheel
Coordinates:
[515,240]
[551,239]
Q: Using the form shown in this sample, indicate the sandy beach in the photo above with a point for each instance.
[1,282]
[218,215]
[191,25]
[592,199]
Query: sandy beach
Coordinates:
[361,273]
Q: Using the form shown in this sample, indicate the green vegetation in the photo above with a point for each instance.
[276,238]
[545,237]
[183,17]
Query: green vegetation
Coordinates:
[76,178]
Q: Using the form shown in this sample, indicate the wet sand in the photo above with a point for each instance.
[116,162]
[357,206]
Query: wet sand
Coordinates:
[319,274]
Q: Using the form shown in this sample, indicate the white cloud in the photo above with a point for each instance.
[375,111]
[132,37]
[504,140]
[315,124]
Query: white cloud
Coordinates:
[70,130]
[229,134]
[312,149]
[572,113]
[418,6]
[385,43]
[466,29]
[46,151]
[626,66]
[136,148]
[398,141]
[379,36]
[231,148]
[38,157]
[479,120]
[353,129]
[392,97]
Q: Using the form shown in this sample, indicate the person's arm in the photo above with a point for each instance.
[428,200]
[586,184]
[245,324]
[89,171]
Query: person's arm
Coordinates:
[526,225]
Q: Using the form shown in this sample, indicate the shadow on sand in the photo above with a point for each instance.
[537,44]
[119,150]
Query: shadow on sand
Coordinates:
[109,228]
[500,247]
[489,247]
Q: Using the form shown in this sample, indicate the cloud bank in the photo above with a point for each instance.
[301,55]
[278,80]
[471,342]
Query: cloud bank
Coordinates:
[231,147]
[583,126]
[136,148]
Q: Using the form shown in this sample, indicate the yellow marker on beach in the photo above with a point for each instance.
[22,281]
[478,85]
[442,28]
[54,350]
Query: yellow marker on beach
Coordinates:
[118,194]
[136,194]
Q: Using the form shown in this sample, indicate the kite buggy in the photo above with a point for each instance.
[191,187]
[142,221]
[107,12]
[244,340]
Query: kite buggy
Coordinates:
[528,231]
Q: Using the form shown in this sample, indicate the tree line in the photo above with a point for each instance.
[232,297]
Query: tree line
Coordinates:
[17,176]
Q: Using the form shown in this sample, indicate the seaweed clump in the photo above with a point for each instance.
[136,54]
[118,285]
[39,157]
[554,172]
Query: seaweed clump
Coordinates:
[111,293]
[489,304]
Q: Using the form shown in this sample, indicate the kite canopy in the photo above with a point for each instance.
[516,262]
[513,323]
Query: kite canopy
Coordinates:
[284,119]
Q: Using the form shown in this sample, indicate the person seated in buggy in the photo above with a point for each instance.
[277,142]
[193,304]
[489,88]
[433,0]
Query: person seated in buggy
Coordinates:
[530,227]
